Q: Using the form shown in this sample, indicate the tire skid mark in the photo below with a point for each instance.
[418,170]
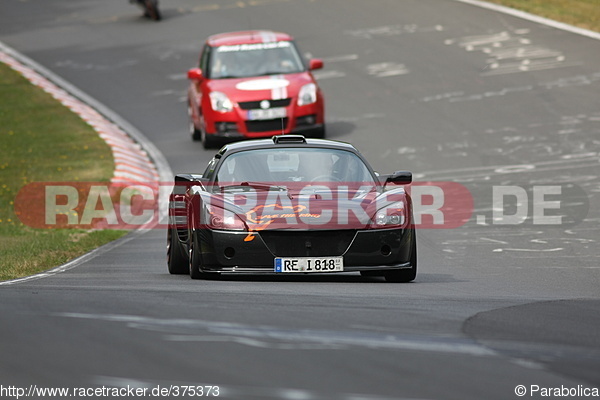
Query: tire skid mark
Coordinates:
[261,336]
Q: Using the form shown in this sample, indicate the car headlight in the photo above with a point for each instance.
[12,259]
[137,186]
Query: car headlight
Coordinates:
[219,218]
[307,94]
[390,216]
[220,102]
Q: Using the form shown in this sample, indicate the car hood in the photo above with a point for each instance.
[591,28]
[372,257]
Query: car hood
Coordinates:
[261,87]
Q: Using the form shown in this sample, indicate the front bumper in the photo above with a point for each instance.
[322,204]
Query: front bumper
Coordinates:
[307,120]
[254,252]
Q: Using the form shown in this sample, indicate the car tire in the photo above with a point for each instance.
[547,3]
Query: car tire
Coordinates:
[177,262]
[208,141]
[405,275]
[195,260]
[195,133]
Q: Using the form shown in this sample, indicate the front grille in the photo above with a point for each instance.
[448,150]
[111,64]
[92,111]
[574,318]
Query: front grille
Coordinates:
[307,243]
[267,125]
[250,105]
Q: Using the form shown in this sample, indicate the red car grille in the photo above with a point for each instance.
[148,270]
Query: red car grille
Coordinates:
[267,125]
[250,105]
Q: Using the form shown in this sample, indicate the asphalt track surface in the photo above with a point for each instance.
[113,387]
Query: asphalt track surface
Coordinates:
[450,91]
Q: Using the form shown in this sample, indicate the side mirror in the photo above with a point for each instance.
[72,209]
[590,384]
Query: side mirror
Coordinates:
[195,74]
[315,63]
[399,177]
[188,177]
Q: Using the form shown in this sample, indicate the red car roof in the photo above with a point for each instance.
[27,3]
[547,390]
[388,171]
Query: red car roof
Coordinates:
[246,37]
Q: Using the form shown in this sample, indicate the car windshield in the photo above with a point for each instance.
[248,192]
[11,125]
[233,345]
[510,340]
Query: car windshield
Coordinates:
[282,166]
[258,59]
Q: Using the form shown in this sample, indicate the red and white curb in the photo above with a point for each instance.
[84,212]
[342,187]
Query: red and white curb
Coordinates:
[136,158]
[132,163]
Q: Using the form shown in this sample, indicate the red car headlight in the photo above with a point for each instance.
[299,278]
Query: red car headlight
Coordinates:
[220,102]
[307,94]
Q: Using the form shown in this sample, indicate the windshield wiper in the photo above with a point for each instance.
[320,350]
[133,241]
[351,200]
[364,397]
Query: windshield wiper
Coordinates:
[229,77]
[273,73]
[279,72]
[255,185]
[260,185]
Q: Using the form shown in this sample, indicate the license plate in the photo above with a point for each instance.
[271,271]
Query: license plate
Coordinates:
[309,264]
[269,113]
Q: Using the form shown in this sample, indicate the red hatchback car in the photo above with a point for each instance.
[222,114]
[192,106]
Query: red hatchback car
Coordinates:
[253,84]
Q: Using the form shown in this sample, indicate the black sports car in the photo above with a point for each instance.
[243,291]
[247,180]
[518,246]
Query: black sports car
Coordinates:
[291,205]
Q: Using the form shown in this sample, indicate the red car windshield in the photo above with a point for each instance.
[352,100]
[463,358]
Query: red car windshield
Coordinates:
[257,59]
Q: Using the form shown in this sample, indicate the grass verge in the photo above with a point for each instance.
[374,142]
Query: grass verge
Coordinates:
[582,13]
[42,140]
